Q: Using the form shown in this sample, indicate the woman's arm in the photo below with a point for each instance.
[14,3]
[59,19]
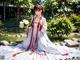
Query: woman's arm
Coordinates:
[29,28]
[44,25]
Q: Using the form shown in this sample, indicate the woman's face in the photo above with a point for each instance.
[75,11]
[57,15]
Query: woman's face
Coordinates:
[38,12]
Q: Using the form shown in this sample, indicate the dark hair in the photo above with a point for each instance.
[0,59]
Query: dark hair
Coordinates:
[38,7]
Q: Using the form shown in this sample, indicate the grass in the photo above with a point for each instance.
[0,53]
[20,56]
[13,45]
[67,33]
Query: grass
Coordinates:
[17,39]
[10,38]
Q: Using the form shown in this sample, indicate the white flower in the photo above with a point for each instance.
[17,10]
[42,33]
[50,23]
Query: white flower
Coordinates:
[21,25]
[21,22]
[25,21]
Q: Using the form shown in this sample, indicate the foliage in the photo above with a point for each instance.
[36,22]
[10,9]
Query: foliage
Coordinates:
[1,24]
[75,19]
[26,4]
[53,7]
[62,15]
[10,22]
[59,26]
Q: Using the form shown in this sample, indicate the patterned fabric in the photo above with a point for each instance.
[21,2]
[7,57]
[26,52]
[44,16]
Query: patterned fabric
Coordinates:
[45,49]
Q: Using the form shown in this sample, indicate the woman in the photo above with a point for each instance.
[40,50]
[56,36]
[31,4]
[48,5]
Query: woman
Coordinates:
[37,38]
[37,45]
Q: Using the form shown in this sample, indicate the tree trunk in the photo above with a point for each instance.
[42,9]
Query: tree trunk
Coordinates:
[17,20]
[4,6]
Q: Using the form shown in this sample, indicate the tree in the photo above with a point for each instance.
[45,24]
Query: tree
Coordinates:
[4,2]
[38,1]
[26,4]
[54,7]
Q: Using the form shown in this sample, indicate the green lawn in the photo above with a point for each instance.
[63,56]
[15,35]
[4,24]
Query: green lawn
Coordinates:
[10,38]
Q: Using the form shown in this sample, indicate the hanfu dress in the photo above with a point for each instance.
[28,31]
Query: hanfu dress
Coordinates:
[37,46]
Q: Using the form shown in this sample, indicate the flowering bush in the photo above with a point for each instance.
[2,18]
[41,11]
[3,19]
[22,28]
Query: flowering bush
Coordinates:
[23,23]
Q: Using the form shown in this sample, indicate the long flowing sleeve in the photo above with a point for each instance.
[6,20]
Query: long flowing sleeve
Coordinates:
[44,25]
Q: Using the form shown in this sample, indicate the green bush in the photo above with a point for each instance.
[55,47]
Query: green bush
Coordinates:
[75,19]
[11,22]
[59,26]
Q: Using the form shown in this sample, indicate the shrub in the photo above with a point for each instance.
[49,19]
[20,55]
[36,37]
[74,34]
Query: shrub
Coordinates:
[75,19]
[59,26]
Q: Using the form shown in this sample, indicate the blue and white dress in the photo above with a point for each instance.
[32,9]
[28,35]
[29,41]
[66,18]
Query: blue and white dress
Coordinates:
[37,46]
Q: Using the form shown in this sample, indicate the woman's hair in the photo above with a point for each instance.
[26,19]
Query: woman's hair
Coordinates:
[38,7]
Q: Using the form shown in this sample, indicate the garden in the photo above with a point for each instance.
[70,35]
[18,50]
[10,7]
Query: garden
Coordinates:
[63,19]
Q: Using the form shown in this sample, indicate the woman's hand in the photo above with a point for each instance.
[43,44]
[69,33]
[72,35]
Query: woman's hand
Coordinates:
[40,25]
[40,22]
